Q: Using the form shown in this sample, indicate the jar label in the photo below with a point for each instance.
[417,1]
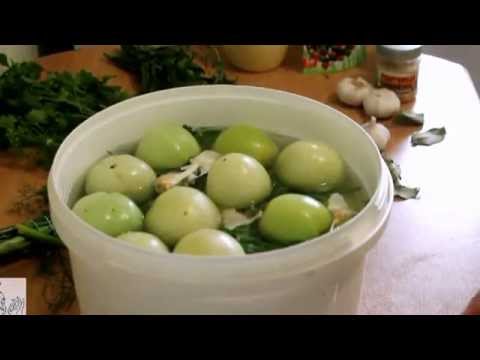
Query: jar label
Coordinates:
[404,86]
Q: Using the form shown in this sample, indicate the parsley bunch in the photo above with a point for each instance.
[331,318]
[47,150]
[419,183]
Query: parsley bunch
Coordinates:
[40,113]
[164,67]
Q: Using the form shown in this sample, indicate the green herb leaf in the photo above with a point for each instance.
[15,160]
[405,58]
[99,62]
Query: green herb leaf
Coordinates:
[12,245]
[277,189]
[251,240]
[39,233]
[429,137]
[164,67]
[409,118]
[41,113]
[205,135]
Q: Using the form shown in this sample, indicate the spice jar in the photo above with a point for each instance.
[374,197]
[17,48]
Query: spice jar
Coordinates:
[397,69]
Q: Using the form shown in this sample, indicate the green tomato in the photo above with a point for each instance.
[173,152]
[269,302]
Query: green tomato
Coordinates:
[293,218]
[167,146]
[310,167]
[145,240]
[209,242]
[112,213]
[180,211]
[124,174]
[248,140]
[237,181]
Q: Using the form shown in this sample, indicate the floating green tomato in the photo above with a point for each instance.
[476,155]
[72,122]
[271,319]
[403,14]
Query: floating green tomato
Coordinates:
[209,242]
[167,146]
[248,140]
[180,211]
[293,218]
[144,240]
[112,213]
[123,174]
[310,167]
[237,181]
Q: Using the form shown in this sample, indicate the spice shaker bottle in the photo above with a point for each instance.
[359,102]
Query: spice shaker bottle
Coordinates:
[397,69]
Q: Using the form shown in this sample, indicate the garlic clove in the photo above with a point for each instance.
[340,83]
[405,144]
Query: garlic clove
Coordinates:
[378,132]
[205,160]
[171,179]
[339,208]
[381,103]
[232,218]
[199,166]
[352,91]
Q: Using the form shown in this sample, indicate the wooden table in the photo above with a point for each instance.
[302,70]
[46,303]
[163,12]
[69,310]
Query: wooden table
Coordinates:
[428,259]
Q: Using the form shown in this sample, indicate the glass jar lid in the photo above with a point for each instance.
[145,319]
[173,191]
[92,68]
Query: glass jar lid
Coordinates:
[400,52]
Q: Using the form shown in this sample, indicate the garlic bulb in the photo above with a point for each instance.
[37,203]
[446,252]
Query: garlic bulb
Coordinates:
[378,132]
[352,91]
[381,103]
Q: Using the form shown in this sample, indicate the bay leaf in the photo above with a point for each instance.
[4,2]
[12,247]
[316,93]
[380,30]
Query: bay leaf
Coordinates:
[394,168]
[409,118]
[405,192]
[429,137]
[401,191]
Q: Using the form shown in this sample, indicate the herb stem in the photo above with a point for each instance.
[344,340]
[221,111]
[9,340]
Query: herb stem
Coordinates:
[7,233]
[39,235]
[14,244]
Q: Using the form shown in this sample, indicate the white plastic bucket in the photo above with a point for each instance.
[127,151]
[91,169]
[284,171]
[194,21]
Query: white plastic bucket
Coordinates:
[320,276]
